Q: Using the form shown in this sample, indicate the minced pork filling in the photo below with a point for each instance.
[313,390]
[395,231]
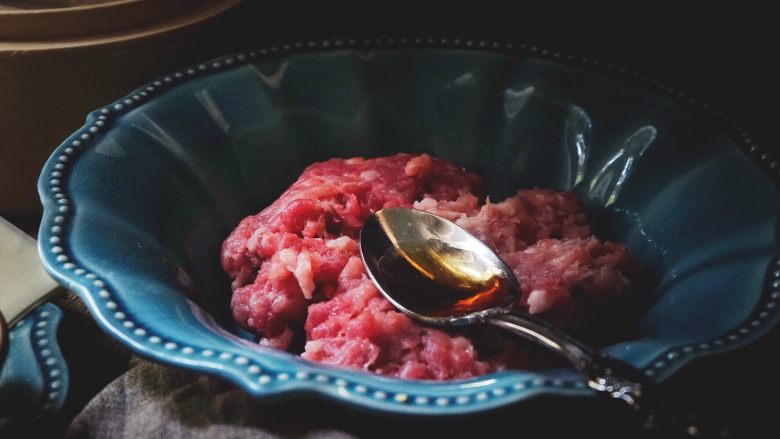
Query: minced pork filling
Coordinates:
[296,267]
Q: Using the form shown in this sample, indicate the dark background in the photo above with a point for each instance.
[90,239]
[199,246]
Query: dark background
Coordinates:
[723,58]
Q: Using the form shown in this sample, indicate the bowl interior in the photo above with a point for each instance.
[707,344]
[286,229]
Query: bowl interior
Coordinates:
[155,195]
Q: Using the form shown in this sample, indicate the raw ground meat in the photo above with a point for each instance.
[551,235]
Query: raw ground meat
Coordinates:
[296,265]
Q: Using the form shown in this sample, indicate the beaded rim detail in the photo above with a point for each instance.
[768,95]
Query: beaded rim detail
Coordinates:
[43,323]
[259,379]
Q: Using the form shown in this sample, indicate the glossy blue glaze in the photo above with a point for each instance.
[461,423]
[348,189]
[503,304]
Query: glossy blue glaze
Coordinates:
[141,197]
[34,377]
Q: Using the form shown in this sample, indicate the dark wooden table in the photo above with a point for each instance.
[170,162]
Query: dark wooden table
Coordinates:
[706,57]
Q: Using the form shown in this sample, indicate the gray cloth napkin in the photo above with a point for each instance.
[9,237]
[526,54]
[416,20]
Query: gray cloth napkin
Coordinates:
[151,401]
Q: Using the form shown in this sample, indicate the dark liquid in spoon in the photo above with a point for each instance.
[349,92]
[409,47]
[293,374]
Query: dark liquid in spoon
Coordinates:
[437,294]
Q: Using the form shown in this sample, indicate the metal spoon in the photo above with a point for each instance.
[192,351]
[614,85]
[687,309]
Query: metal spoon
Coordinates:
[438,273]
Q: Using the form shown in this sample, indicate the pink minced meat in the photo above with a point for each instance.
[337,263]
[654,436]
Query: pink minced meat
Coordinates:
[296,264]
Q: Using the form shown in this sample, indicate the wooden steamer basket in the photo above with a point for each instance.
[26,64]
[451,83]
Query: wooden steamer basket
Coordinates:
[58,63]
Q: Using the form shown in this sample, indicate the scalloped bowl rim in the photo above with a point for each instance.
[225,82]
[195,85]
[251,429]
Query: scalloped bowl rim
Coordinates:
[347,386]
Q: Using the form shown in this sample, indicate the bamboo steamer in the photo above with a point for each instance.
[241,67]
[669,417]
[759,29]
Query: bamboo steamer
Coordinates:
[59,63]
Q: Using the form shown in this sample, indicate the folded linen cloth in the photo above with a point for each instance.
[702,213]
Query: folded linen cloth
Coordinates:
[152,400]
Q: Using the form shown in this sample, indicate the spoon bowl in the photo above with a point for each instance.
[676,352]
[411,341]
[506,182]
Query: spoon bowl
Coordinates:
[433,269]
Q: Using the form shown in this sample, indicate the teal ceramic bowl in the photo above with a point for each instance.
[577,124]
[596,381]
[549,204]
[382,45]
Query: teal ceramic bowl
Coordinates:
[138,201]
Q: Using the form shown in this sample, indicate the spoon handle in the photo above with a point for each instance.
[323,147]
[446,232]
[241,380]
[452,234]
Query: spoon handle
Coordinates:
[596,367]
[616,379]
